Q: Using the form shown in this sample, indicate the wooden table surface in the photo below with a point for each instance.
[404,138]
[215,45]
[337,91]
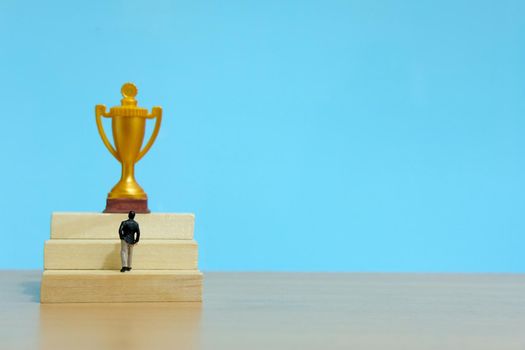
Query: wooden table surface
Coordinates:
[281,311]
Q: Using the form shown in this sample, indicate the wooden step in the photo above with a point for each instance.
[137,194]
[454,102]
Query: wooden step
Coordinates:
[91,286]
[71,225]
[73,254]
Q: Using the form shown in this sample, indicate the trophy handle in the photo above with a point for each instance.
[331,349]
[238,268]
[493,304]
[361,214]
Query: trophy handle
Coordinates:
[100,111]
[156,112]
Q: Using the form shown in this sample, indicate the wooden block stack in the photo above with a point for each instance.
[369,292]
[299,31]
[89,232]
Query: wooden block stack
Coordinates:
[82,260]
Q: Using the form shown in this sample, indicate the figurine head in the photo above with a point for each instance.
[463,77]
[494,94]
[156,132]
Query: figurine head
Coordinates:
[131,214]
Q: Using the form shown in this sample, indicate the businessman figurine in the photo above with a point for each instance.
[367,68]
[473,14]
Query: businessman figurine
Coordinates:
[126,232]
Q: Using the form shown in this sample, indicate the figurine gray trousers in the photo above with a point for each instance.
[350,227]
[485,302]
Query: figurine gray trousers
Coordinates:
[126,253]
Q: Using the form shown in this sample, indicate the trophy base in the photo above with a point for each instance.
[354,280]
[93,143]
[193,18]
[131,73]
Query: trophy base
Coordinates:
[124,205]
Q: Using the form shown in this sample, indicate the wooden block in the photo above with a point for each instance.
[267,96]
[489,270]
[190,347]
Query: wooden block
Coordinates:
[71,254]
[89,286]
[105,226]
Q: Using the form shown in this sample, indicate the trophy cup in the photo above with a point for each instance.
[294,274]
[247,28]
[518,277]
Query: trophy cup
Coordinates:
[128,125]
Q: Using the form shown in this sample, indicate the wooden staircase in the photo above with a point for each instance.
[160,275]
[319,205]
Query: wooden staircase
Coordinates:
[82,260]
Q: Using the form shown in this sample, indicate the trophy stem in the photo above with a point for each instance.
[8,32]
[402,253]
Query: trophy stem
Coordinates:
[127,194]
[127,187]
[128,173]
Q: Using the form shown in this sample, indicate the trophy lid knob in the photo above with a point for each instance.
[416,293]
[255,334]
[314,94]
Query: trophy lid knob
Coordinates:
[129,91]
[128,107]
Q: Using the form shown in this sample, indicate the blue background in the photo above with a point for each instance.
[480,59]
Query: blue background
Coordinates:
[304,135]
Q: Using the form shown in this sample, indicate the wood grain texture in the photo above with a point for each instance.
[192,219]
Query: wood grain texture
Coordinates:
[74,286]
[281,311]
[71,254]
[71,225]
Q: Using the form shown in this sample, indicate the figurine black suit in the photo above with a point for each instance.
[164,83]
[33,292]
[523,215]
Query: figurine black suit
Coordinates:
[126,232]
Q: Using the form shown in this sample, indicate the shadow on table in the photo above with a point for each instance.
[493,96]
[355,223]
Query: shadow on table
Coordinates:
[127,326]
[31,289]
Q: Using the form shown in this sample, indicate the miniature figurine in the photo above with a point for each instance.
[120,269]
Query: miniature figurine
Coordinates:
[126,232]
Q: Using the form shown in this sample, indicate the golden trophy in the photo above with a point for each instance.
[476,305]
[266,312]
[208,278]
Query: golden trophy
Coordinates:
[129,125]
